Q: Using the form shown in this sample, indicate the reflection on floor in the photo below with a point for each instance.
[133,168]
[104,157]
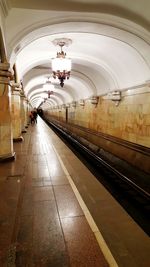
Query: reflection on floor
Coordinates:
[41,221]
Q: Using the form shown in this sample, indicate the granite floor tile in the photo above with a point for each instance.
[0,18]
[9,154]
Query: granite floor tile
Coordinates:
[49,247]
[24,245]
[43,170]
[82,246]
[68,205]
[27,204]
[9,193]
[51,228]
[43,193]
[38,159]
[37,183]
[47,183]
[55,169]
[59,180]
[45,210]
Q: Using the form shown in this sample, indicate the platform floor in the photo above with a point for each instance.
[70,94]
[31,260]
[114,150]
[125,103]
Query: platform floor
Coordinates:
[54,213]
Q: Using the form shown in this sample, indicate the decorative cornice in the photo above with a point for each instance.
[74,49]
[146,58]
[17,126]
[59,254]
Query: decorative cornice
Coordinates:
[62,41]
[5,73]
[5,7]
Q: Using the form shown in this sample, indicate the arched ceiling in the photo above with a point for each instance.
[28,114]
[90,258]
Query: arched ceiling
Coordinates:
[110,47]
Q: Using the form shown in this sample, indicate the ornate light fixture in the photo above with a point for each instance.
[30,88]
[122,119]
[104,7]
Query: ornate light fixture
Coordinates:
[61,66]
[50,93]
[48,87]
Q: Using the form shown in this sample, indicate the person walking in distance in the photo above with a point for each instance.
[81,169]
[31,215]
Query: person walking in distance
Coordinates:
[31,117]
[35,115]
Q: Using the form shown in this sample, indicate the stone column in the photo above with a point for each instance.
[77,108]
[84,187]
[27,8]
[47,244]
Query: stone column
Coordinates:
[26,113]
[29,110]
[23,113]
[6,137]
[16,114]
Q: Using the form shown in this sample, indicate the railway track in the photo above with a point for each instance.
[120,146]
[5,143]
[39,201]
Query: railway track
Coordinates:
[134,199]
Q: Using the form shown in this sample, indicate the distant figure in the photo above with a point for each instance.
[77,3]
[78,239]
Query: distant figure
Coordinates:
[31,117]
[35,115]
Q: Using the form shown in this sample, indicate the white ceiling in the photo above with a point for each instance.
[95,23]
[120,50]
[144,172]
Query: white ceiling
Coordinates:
[110,47]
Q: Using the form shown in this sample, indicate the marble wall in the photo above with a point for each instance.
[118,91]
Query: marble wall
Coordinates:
[16,114]
[130,120]
[6,145]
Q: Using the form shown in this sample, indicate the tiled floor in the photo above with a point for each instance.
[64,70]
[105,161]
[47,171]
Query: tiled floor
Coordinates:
[41,221]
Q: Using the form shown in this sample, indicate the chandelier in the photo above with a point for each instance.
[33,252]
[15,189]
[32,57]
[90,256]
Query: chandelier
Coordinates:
[61,65]
[48,87]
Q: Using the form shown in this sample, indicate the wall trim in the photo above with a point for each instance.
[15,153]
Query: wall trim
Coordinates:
[5,7]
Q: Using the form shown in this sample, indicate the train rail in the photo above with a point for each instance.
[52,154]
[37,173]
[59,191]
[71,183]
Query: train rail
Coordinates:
[134,198]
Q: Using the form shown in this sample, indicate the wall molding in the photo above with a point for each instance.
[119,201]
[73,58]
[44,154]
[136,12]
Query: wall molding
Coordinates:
[5,7]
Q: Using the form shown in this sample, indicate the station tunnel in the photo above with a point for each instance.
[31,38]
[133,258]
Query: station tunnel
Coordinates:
[74,133]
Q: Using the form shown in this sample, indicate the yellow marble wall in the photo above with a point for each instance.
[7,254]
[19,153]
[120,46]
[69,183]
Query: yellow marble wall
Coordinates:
[26,112]
[130,120]
[59,114]
[6,144]
[16,115]
[23,113]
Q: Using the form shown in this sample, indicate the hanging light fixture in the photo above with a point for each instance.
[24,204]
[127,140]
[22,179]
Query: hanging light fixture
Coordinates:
[61,65]
[48,87]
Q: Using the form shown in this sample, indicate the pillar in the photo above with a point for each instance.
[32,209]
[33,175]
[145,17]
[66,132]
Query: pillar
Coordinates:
[23,113]
[26,113]
[6,137]
[29,111]
[16,114]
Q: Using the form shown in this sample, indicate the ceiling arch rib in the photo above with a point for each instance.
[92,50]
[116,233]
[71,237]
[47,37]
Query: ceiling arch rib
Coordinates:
[69,88]
[37,83]
[37,101]
[49,101]
[78,59]
[34,77]
[72,90]
[95,76]
[33,28]
[103,49]
[79,87]
[103,55]
[49,104]
[54,97]
[68,94]
[38,88]
[135,12]
[45,95]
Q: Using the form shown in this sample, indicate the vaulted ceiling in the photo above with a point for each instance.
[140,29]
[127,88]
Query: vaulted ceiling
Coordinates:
[110,47]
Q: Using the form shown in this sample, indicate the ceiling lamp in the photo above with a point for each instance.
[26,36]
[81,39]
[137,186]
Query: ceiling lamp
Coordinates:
[61,66]
[50,93]
[48,87]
